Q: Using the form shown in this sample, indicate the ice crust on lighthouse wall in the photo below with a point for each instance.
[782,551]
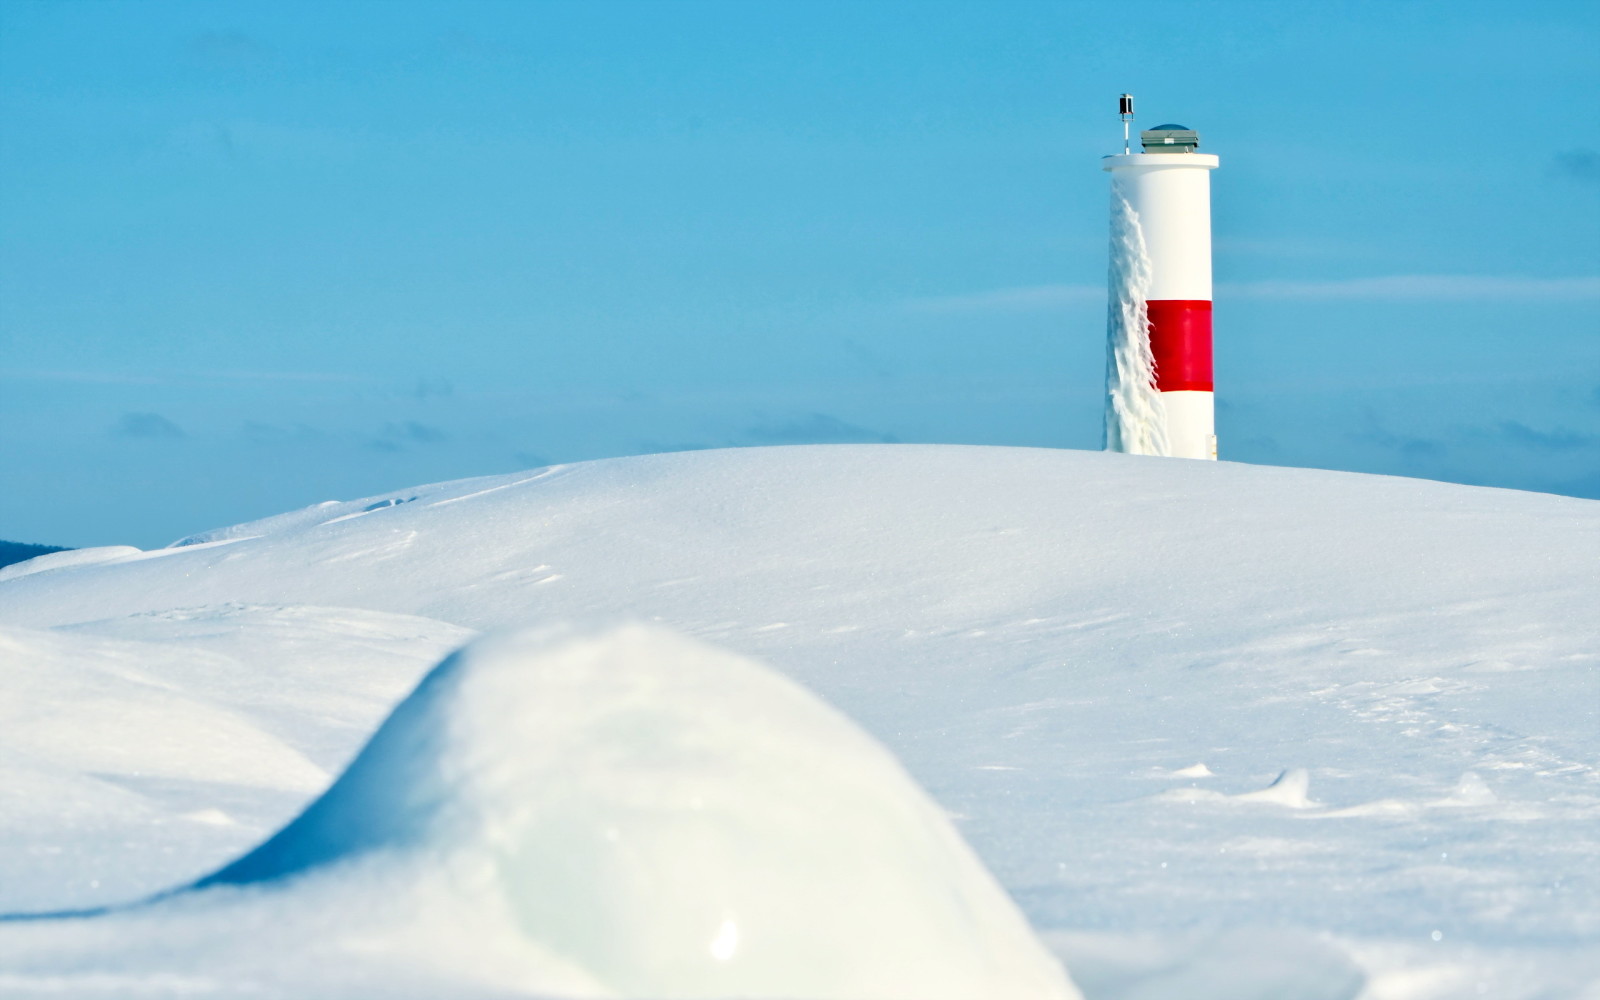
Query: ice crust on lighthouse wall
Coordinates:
[1135,420]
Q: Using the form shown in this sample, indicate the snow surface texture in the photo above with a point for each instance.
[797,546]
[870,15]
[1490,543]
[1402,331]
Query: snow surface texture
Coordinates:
[633,814]
[1136,422]
[1220,730]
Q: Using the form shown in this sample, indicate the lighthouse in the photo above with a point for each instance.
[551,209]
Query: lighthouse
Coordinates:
[1161,204]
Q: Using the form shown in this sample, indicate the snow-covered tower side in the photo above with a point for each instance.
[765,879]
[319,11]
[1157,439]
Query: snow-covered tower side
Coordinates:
[1168,188]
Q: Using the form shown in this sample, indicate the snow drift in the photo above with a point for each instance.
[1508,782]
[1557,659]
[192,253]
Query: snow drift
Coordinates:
[651,817]
[677,822]
[1097,665]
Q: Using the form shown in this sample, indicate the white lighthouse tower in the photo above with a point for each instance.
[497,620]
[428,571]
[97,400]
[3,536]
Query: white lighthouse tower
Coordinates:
[1165,194]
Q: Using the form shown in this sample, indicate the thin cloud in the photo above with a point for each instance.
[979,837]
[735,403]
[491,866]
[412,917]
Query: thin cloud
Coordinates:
[259,433]
[428,388]
[869,359]
[411,432]
[396,437]
[1559,439]
[816,428]
[1420,287]
[148,426]
[1032,298]
[266,142]
[1257,444]
[1386,288]
[1279,247]
[1582,165]
[93,378]
[1408,446]
[171,378]
[270,376]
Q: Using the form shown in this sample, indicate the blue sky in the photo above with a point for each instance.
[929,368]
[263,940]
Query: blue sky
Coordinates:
[258,255]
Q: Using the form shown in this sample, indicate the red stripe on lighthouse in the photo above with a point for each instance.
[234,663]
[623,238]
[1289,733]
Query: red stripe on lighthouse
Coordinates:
[1180,339]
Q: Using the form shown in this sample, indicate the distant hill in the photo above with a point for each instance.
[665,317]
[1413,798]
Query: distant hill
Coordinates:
[15,552]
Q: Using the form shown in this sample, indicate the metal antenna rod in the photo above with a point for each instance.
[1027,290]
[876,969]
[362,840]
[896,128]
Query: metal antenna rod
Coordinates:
[1125,112]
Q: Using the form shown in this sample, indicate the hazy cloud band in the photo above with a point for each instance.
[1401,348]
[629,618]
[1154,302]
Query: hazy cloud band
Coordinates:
[1389,288]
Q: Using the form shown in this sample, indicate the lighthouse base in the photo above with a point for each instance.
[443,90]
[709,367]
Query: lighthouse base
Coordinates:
[1191,424]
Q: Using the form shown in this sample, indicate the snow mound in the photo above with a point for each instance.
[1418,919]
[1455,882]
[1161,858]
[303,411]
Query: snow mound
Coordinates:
[1288,789]
[674,820]
[1471,791]
[68,557]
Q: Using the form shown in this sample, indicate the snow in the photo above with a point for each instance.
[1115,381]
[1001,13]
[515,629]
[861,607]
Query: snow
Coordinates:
[67,557]
[1135,421]
[136,752]
[1099,666]
[672,820]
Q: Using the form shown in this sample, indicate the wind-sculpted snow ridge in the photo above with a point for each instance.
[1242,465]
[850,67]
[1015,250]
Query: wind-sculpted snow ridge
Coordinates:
[631,814]
[63,558]
[147,750]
